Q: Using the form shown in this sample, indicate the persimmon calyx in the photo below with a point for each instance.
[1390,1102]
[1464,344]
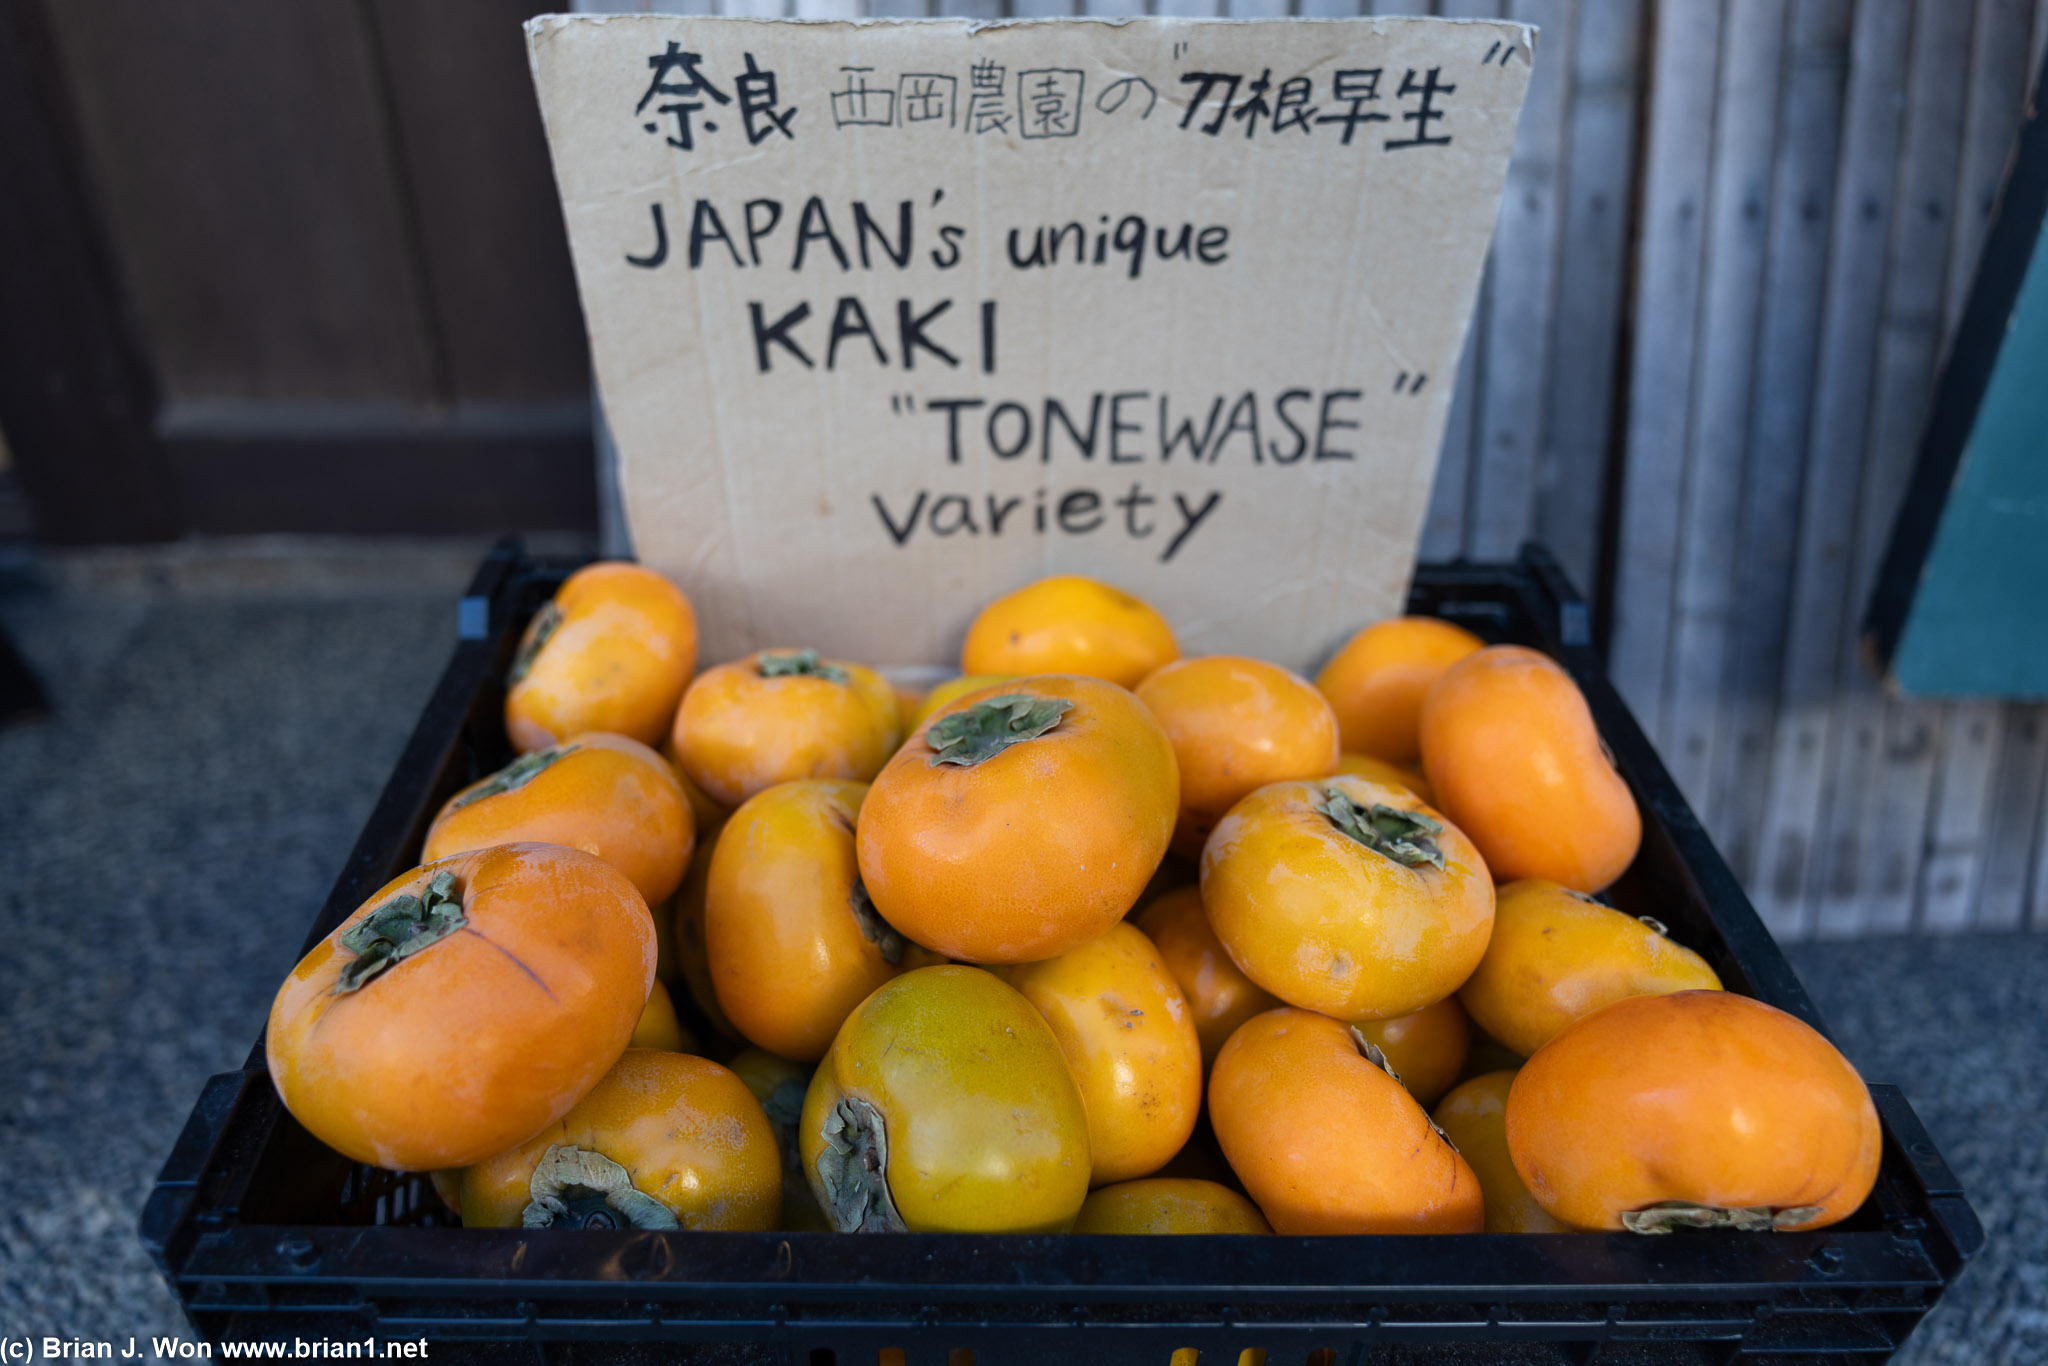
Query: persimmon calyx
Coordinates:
[854,1169]
[885,937]
[986,729]
[512,776]
[1406,837]
[1373,1054]
[797,664]
[574,1187]
[1671,1215]
[544,624]
[398,929]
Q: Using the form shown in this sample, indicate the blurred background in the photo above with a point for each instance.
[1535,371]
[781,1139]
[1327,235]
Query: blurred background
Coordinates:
[288,331]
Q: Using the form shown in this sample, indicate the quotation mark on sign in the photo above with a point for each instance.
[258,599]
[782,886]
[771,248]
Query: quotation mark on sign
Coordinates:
[902,403]
[1178,50]
[1403,384]
[1506,51]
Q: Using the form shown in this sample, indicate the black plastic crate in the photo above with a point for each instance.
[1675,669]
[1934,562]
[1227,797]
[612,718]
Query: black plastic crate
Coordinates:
[264,1233]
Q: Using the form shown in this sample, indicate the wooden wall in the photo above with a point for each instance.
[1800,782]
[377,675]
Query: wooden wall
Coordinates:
[1735,236]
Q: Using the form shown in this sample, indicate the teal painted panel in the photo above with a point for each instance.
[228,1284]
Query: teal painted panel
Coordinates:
[1978,625]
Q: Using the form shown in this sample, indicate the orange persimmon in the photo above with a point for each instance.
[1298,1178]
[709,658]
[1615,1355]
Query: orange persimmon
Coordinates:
[780,715]
[612,651]
[1377,681]
[1069,625]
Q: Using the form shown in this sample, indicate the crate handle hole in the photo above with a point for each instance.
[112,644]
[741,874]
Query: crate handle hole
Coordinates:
[889,1356]
[823,1356]
[1323,1356]
[1252,1356]
[1184,1356]
[960,1356]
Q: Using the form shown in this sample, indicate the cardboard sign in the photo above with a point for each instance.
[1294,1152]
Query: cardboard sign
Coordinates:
[890,319]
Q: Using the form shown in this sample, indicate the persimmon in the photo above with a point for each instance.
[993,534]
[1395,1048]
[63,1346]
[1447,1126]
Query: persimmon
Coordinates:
[1169,1205]
[793,942]
[1326,1141]
[659,1026]
[1474,1117]
[1424,1049]
[780,715]
[1510,747]
[1347,897]
[1020,820]
[1380,771]
[1220,997]
[604,794]
[1069,625]
[665,1140]
[1377,680]
[1130,1041]
[1557,955]
[686,922]
[779,1085]
[1693,1109]
[945,1106]
[612,651]
[951,690]
[1236,724]
[709,813]
[465,1006]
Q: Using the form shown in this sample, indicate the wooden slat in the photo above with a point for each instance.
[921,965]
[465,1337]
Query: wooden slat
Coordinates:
[1112,8]
[1510,423]
[1960,825]
[1710,484]
[1329,9]
[1781,409]
[1880,872]
[482,194]
[829,9]
[1790,859]
[2004,886]
[1959,817]
[75,392]
[1256,9]
[215,122]
[1444,525]
[1573,463]
[1670,263]
[1023,9]
[754,9]
[1198,9]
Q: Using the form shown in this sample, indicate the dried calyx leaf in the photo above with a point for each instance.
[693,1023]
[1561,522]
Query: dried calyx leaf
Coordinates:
[575,1188]
[514,775]
[797,664]
[873,928]
[1371,1052]
[398,929]
[1672,1215]
[1406,837]
[988,728]
[544,624]
[854,1168]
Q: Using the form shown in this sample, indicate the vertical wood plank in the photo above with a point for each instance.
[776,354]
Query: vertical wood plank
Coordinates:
[755,9]
[1710,482]
[1572,467]
[1960,816]
[1193,9]
[829,9]
[1444,525]
[1683,79]
[1790,858]
[918,9]
[1781,409]
[1878,841]
[2016,802]
[1112,8]
[215,122]
[1510,424]
[1329,9]
[1256,9]
[1961,821]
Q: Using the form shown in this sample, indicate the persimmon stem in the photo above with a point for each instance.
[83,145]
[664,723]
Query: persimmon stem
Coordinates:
[1672,1215]
[797,664]
[512,776]
[398,929]
[1406,837]
[574,1187]
[854,1169]
[544,624]
[987,728]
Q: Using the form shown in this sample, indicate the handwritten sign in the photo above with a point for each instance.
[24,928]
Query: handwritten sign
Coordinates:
[892,318]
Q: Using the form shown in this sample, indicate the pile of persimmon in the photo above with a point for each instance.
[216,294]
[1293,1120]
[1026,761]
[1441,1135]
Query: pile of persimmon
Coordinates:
[1090,938]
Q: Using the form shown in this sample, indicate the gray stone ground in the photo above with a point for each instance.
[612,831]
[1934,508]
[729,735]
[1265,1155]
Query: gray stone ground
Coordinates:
[223,724]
